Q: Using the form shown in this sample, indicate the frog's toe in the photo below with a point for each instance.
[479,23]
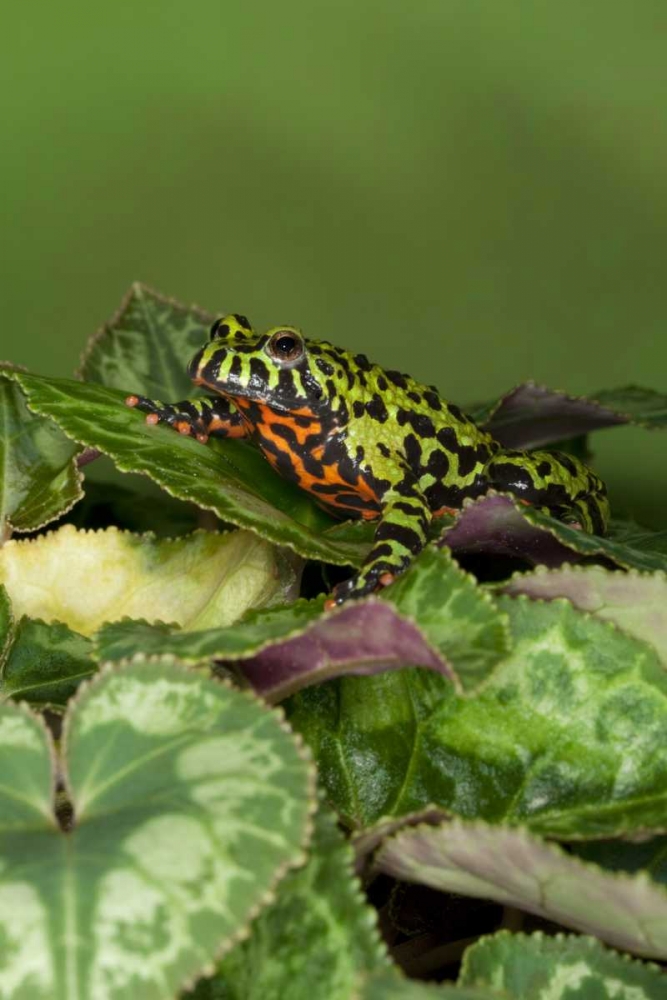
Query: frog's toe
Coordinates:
[358,586]
[149,406]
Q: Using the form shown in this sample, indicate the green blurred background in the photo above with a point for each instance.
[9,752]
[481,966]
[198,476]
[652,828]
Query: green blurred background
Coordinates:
[474,191]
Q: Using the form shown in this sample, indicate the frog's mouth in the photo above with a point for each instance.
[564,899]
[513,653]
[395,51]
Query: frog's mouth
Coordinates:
[279,393]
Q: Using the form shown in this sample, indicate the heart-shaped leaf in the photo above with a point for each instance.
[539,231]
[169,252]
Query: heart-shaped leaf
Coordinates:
[315,940]
[45,663]
[562,967]
[190,801]
[39,479]
[146,345]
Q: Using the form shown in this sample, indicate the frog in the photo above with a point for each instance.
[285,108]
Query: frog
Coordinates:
[365,442]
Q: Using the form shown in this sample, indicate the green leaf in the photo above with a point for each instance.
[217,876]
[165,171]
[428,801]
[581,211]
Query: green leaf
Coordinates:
[559,967]
[39,480]
[634,601]
[314,940]
[45,664]
[392,986]
[568,735]
[117,641]
[26,804]
[366,734]
[639,405]
[195,580]
[190,802]
[228,477]
[455,615]
[649,856]
[519,869]
[146,345]
[6,622]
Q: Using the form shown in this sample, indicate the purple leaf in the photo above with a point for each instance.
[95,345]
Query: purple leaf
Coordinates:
[86,456]
[361,638]
[533,415]
[493,526]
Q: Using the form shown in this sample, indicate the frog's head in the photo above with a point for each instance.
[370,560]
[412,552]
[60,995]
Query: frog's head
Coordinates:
[279,369]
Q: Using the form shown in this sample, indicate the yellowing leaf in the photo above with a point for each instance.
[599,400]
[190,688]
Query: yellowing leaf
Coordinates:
[86,578]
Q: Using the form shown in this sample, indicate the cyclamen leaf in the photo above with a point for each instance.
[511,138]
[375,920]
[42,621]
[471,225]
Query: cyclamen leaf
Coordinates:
[195,580]
[230,478]
[365,734]
[497,525]
[455,615]
[434,616]
[568,734]
[298,646]
[636,602]
[146,345]
[40,480]
[315,940]
[45,664]
[6,622]
[117,641]
[516,868]
[40,663]
[392,986]
[532,415]
[521,965]
[190,802]
[364,638]
[649,856]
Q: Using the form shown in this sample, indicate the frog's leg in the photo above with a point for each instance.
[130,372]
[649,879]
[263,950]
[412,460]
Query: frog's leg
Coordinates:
[203,417]
[557,483]
[400,536]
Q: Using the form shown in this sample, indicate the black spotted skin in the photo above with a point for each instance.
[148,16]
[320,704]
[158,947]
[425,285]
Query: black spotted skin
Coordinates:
[365,442]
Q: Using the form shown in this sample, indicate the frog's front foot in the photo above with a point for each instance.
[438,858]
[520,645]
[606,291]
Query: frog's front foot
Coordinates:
[184,421]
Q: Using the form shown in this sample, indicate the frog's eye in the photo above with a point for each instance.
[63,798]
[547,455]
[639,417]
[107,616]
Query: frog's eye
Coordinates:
[285,346]
[217,329]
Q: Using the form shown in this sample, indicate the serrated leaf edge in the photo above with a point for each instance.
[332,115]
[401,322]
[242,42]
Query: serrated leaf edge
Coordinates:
[585,941]
[137,289]
[302,750]
[528,838]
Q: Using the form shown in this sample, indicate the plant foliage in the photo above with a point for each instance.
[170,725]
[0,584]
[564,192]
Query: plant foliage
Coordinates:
[488,733]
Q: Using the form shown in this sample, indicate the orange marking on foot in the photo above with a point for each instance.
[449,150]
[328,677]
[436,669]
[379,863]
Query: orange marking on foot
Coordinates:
[386,579]
[131,400]
[152,418]
[445,510]
[329,604]
[202,437]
